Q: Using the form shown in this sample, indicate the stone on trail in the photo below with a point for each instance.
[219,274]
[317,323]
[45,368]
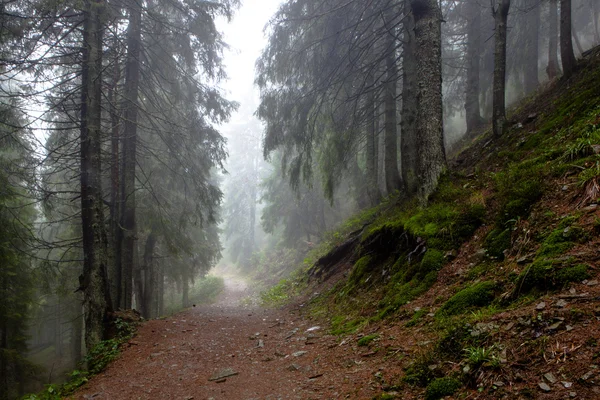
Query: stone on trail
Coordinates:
[544,386]
[224,373]
[299,353]
[550,377]
[540,306]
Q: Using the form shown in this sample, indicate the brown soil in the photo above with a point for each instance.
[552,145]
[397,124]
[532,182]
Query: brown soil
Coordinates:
[174,358]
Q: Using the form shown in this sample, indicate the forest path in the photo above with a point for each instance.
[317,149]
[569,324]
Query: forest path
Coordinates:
[270,354]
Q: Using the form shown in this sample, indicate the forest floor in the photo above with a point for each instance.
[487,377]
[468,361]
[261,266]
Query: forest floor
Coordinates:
[268,353]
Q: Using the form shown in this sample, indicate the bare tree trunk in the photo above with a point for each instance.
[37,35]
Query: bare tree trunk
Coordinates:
[577,43]
[185,292]
[500,13]
[371,115]
[132,77]
[94,280]
[596,17]
[392,176]
[77,333]
[552,68]
[161,290]
[472,107]
[408,138]
[430,135]
[566,42]
[115,229]
[533,47]
[149,297]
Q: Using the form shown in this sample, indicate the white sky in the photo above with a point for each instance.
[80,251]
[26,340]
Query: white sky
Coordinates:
[246,40]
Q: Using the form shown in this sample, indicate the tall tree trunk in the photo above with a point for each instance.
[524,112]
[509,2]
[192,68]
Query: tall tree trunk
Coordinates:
[77,333]
[430,135]
[500,13]
[132,77]
[392,176]
[116,232]
[160,299]
[552,68]
[472,107]
[596,17]
[533,47]
[149,298]
[94,280]
[408,137]
[577,43]
[566,42]
[185,292]
[4,376]
[371,115]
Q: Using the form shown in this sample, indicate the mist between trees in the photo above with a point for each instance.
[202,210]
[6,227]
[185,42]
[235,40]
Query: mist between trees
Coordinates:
[112,161]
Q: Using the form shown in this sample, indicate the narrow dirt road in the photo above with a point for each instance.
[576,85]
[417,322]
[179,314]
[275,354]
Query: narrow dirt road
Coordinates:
[228,351]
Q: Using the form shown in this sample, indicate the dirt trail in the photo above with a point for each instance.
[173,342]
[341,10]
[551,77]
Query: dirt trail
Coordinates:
[273,354]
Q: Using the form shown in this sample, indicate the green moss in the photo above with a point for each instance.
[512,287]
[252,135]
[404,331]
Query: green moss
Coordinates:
[479,295]
[562,239]
[361,267]
[433,260]
[342,324]
[416,318]
[519,187]
[366,340]
[441,387]
[418,372]
[497,241]
[548,274]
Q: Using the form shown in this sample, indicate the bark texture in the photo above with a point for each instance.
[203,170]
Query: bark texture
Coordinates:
[472,106]
[372,149]
[567,55]
[408,137]
[94,280]
[530,71]
[392,175]
[552,69]
[132,77]
[428,51]
[500,13]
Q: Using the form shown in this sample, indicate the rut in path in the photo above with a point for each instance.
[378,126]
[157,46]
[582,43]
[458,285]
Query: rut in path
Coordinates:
[273,353]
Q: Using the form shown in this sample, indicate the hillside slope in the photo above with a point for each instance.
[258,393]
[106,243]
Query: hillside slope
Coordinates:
[491,291]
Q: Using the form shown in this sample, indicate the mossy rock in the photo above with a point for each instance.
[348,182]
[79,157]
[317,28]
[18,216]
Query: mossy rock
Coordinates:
[548,275]
[497,241]
[441,387]
[479,295]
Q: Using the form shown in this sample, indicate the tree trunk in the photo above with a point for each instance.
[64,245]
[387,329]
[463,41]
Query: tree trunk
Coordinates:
[577,43]
[185,292]
[472,107]
[4,376]
[132,77]
[566,42]
[149,298]
[94,280]
[160,299]
[533,47]
[392,176]
[430,136]
[408,137]
[596,17]
[116,233]
[77,334]
[500,13]
[552,68]
[373,193]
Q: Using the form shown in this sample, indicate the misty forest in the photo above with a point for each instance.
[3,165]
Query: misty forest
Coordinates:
[377,188]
